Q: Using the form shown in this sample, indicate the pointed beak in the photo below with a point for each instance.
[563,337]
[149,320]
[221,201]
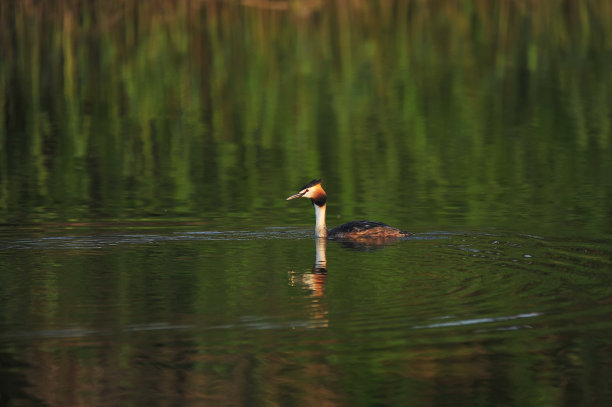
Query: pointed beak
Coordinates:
[298,195]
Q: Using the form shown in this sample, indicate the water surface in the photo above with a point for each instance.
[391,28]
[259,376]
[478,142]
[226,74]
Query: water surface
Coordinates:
[177,315]
[148,255]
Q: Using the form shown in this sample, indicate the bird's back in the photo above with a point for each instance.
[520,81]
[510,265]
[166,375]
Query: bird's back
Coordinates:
[362,229]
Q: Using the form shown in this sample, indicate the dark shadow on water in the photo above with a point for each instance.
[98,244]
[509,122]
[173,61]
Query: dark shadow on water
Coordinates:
[14,385]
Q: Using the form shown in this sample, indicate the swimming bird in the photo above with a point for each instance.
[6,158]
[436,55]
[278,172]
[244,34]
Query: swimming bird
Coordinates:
[359,229]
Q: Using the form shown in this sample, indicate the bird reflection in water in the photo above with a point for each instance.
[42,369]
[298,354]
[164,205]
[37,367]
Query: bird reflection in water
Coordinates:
[314,282]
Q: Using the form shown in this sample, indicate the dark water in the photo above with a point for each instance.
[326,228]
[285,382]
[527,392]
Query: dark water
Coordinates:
[181,316]
[148,255]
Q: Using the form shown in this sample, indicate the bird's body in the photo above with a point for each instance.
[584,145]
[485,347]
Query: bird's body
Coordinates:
[365,228]
[356,230]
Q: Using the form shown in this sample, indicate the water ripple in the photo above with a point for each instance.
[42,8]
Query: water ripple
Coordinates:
[476,321]
[104,240]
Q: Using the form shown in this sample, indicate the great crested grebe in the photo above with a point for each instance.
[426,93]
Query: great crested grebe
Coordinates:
[358,229]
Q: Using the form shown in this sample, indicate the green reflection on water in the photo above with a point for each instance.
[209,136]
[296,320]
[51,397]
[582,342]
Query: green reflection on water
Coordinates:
[188,317]
[451,114]
[428,116]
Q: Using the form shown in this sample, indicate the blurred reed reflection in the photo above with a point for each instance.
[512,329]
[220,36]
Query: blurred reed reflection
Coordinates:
[455,113]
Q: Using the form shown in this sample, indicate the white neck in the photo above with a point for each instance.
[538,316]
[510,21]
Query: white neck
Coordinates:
[320,228]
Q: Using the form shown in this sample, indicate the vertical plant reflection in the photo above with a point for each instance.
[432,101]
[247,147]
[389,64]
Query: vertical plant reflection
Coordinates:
[468,111]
